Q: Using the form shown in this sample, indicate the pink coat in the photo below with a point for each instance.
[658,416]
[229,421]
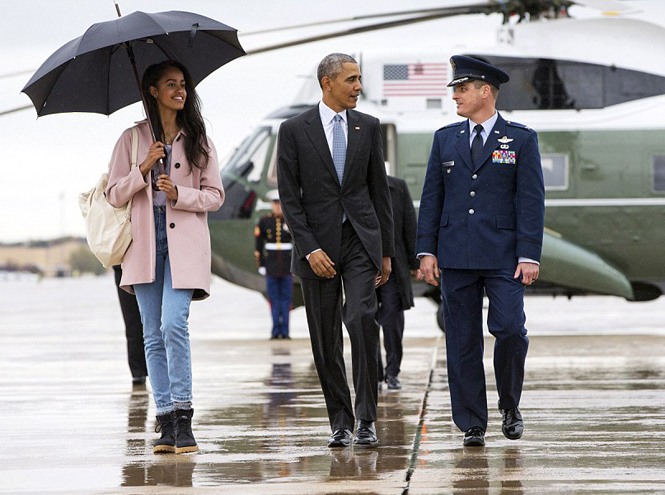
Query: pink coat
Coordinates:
[199,191]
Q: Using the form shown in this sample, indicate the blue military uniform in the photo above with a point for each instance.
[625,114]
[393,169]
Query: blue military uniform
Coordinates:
[479,219]
[273,246]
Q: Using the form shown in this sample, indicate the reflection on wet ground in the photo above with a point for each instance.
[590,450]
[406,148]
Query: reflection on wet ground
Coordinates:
[594,408]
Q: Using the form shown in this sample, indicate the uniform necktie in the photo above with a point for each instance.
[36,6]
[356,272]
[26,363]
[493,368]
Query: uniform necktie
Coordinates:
[339,147]
[477,145]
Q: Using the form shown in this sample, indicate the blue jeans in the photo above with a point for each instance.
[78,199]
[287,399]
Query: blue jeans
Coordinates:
[279,292]
[164,313]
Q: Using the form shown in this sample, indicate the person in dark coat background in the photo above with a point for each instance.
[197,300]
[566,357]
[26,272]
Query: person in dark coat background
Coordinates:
[396,295]
[133,331]
[273,258]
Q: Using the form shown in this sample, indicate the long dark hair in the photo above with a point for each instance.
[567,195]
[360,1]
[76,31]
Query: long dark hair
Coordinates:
[189,118]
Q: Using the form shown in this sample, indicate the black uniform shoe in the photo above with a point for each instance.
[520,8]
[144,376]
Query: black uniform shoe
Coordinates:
[513,425]
[340,438]
[474,437]
[184,438]
[393,383]
[365,435]
[137,381]
[166,443]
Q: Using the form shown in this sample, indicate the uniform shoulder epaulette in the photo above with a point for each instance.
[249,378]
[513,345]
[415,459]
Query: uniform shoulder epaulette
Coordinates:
[518,125]
[454,124]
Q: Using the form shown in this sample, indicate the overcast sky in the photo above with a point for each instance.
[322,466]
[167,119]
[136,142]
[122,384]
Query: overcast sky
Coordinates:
[48,161]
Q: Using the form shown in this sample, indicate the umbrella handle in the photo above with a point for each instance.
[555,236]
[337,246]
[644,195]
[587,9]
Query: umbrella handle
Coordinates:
[130,53]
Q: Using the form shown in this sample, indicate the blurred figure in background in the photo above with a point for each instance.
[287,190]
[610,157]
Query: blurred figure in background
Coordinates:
[273,258]
[396,295]
[133,331]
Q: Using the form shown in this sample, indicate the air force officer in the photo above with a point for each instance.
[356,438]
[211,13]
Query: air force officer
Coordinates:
[480,230]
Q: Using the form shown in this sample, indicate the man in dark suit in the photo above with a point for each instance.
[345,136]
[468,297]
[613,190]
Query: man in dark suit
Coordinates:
[133,331]
[482,214]
[396,295]
[335,197]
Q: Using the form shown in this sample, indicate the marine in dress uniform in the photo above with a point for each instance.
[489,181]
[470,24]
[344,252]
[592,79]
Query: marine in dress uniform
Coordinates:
[482,215]
[273,257]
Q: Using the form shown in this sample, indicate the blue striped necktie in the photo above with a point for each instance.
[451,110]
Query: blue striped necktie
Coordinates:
[339,147]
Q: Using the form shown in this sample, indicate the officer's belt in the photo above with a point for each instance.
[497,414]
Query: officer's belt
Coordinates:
[278,246]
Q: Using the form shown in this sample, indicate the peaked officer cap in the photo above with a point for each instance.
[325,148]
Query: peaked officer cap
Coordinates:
[273,195]
[469,68]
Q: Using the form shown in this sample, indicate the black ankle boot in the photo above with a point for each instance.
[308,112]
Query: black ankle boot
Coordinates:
[166,443]
[184,438]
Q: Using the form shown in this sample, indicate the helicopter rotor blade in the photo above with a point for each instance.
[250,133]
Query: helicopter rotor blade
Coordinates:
[608,7]
[16,74]
[18,109]
[369,28]
[365,17]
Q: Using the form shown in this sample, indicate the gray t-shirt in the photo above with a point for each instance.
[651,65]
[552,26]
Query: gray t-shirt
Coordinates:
[159,197]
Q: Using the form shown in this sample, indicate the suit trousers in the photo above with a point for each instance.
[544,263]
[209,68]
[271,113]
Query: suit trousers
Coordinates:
[323,304]
[133,328]
[391,319]
[462,292]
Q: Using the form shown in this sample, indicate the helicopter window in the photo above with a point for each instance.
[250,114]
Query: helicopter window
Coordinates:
[555,171]
[271,176]
[659,174]
[249,160]
[548,84]
[389,138]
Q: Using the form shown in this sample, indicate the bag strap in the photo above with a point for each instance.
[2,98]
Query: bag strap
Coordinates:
[135,147]
[135,154]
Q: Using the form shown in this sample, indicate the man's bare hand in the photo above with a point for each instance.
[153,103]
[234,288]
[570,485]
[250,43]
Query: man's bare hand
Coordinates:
[429,270]
[321,264]
[386,268]
[529,272]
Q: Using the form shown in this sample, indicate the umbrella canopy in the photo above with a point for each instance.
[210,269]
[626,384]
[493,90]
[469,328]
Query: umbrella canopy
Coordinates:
[93,73]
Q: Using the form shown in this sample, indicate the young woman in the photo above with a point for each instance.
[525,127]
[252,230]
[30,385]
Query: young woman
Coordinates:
[167,264]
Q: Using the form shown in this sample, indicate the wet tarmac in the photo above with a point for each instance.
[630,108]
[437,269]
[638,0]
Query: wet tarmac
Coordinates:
[594,405]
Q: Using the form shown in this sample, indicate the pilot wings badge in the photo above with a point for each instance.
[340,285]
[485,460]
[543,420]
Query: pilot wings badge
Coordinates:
[505,140]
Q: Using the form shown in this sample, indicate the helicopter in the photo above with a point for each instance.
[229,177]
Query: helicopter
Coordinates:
[596,98]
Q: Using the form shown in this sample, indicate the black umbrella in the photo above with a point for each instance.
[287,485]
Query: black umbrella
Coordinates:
[95,72]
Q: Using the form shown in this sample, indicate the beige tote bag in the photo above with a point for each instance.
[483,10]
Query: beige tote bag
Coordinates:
[108,230]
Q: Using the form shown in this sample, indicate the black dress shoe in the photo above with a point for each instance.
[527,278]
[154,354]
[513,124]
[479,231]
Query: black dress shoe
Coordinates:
[138,380]
[393,383]
[474,437]
[365,435]
[513,425]
[340,438]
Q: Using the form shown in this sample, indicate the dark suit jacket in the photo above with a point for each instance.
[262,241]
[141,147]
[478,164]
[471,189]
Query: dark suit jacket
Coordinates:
[313,200]
[405,223]
[483,216]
